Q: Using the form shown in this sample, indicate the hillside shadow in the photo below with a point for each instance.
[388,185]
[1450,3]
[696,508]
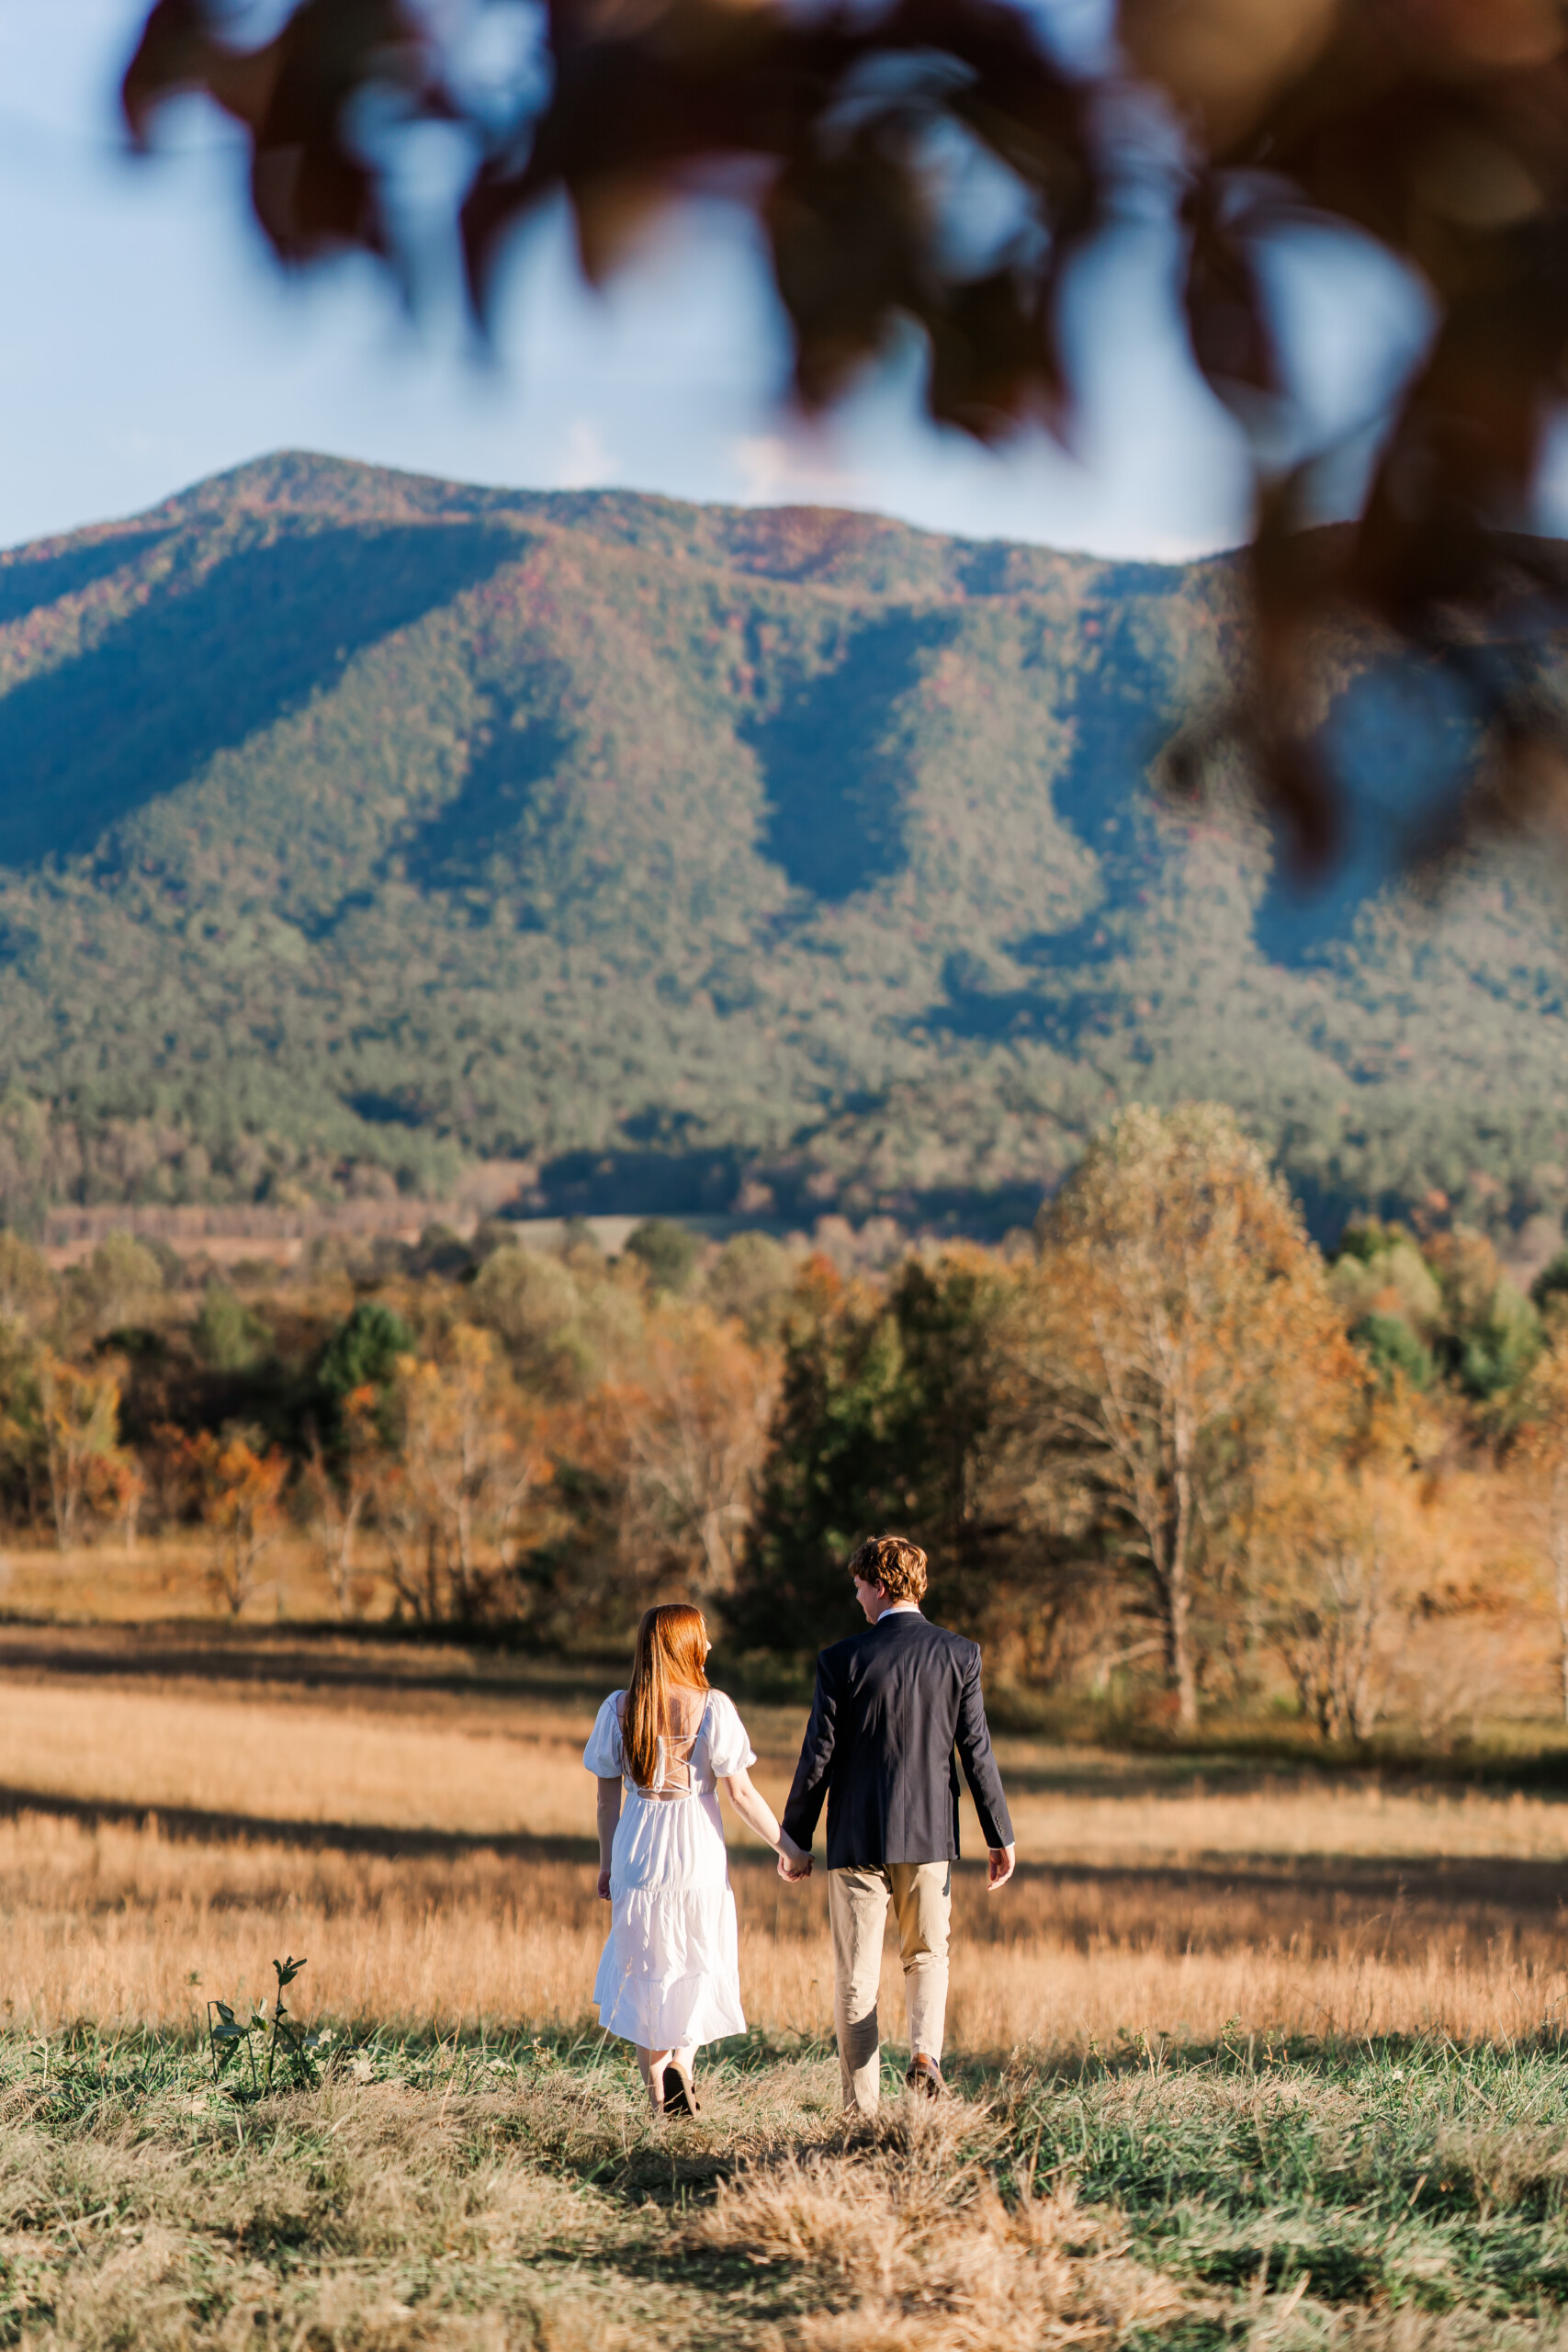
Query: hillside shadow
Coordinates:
[835,790]
[193,674]
[1103,796]
[27,587]
[517,750]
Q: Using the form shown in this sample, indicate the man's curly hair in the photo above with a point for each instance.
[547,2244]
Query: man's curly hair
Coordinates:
[894,1562]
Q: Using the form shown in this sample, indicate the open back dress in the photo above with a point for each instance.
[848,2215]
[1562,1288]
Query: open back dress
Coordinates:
[670,1977]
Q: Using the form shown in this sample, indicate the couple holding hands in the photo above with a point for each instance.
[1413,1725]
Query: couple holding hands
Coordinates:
[896,1710]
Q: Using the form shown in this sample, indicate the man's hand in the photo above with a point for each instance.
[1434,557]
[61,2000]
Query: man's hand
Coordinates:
[1000,1863]
[604,1887]
[793,1865]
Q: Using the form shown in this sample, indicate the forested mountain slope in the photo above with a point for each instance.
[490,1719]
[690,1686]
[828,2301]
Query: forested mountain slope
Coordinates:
[350,820]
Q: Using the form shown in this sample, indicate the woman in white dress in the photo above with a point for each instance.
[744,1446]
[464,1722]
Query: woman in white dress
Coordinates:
[670,1978]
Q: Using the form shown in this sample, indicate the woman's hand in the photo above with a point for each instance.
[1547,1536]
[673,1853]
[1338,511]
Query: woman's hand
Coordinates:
[793,1862]
[609,1814]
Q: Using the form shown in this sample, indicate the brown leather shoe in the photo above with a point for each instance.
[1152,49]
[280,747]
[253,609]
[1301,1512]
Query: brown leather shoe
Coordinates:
[924,2077]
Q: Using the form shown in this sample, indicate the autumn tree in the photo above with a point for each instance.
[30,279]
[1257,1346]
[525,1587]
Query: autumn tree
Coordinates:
[342,1489]
[1178,1327]
[1345,1552]
[691,1432]
[466,1459]
[28,1292]
[239,1494]
[78,1422]
[1541,1449]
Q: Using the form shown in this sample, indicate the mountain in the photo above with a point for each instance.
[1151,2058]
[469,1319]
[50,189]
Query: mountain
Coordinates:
[353,825]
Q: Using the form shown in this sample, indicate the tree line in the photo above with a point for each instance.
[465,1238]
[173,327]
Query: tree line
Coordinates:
[1165,1453]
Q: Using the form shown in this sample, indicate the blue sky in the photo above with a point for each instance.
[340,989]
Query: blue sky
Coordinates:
[148,342]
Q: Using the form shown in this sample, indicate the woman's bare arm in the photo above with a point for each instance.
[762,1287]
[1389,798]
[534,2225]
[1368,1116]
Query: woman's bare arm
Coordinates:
[757,1814]
[609,1813]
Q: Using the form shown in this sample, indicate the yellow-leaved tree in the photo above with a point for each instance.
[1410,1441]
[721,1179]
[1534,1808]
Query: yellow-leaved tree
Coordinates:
[1178,1333]
[1345,1553]
[78,1412]
[467,1455]
[690,1430]
[1542,1447]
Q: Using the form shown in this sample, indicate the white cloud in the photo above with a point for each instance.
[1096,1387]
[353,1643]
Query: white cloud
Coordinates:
[774,469]
[588,461]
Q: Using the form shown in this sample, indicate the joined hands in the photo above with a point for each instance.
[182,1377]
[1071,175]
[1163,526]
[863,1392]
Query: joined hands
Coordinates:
[793,1865]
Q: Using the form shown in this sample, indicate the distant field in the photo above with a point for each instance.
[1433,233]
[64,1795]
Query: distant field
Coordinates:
[430,1846]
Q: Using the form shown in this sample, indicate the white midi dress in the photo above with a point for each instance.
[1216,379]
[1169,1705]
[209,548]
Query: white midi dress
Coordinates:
[669,1977]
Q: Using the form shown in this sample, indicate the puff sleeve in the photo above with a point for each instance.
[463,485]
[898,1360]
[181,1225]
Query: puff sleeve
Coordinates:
[602,1757]
[729,1750]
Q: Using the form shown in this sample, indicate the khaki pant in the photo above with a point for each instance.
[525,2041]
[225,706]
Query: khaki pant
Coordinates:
[921,1895]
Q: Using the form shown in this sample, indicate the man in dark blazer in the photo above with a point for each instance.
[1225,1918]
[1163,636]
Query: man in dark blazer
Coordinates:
[892,1705]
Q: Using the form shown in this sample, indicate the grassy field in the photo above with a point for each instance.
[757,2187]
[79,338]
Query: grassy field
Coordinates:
[1247,2058]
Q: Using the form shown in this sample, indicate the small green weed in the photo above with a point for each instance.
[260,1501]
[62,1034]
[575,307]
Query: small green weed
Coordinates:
[229,2035]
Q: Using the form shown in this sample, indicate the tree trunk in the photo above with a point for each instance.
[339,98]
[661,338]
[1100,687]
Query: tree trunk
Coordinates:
[1560,1566]
[1183,1672]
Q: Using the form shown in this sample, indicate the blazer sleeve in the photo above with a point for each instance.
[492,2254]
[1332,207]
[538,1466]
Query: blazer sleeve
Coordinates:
[979,1764]
[808,1790]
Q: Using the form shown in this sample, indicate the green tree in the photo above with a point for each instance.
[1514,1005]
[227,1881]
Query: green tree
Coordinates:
[1489,1335]
[364,1350]
[889,1417]
[666,1251]
[752,1280]
[227,1334]
[118,1284]
[534,1306]
[1394,1350]
[28,1292]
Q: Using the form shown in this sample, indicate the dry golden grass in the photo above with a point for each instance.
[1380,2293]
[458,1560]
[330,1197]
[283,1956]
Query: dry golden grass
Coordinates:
[1131,1916]
[111,1925]
[166,1575]
[909,2242]
[311,1761]
[1324,1817]
[494,1766]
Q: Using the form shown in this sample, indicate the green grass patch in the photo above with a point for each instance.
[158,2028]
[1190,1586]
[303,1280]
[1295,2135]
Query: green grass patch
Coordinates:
[495,2190]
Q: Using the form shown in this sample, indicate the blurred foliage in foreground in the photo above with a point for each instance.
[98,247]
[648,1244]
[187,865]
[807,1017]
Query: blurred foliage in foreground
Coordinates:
[931,173]
[1163,1455]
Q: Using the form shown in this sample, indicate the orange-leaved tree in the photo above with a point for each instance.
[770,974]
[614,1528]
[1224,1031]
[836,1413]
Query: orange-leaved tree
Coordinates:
[1178,1330]
[239,1492]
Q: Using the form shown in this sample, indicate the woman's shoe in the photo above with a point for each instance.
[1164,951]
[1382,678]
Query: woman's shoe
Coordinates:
[680,2092]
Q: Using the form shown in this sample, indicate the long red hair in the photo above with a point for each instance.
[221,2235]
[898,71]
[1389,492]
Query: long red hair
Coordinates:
[671,1648]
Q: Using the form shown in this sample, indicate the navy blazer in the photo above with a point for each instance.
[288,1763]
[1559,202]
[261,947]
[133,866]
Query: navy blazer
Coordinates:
[891,1705]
